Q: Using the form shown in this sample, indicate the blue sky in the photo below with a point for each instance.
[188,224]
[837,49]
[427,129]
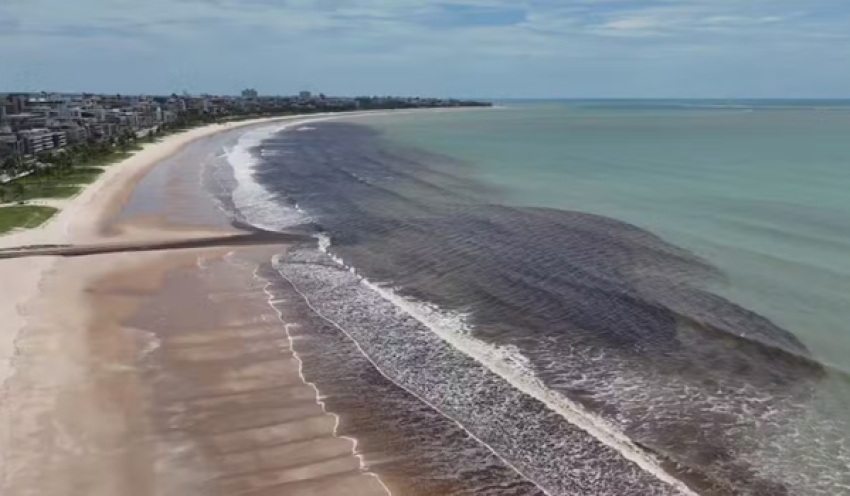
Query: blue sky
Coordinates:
[467,48]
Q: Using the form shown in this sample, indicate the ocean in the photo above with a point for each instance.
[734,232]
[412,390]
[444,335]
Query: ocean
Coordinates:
[610,297]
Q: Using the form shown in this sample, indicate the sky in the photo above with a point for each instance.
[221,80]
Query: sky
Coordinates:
[463,48]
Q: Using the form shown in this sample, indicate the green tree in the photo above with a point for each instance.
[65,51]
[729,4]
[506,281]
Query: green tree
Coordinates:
[9,165]
[3,193]
[18,190]
[64,162]
[125,139]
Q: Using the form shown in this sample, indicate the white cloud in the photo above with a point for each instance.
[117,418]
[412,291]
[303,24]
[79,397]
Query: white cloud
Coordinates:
[217,45]
[634,23]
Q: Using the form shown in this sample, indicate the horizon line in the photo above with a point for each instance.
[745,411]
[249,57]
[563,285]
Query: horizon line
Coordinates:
[491,98]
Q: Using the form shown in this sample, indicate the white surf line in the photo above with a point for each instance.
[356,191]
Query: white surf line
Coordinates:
[364,468]
[569,410]
[420,398]
[243,163]
[575,414]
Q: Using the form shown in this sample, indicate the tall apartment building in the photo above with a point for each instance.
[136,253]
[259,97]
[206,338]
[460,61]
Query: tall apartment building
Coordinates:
[38,141]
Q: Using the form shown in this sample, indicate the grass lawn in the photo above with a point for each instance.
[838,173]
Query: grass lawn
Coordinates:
[66,183]
[24,217]
[48,190]
[71,177]
[112,158]
[83,175]
[57,186]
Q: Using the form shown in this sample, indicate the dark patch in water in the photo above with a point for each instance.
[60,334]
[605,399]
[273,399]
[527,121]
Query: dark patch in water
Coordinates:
[607,314]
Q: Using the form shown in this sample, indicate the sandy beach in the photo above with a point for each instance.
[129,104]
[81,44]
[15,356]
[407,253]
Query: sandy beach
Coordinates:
[156,371]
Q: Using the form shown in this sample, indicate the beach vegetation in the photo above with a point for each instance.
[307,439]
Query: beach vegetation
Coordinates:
[24,217]
[9,165]
[63,173]
[18,191]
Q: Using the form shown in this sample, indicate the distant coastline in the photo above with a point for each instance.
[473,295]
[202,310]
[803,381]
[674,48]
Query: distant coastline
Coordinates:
[52,144]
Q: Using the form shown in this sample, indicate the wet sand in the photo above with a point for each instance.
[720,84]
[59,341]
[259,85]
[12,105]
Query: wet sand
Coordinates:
[162,372]
[82,219]
[178,380]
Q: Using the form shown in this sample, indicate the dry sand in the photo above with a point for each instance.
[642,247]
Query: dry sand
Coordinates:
[80,220]
[154,373]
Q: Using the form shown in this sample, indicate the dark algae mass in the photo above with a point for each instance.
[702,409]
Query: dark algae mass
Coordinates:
[482,348]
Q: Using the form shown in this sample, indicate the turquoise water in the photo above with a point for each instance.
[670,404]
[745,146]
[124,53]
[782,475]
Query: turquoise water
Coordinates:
[760,190]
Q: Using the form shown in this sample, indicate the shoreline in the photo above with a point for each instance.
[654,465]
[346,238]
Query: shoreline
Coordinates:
[80,404]
[79,220]
[186,330]
[64,345]
[337,419]
[83,219]
[84,339]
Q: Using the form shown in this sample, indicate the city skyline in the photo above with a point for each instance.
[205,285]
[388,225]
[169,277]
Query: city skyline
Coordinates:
[492,49]
[47,125]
